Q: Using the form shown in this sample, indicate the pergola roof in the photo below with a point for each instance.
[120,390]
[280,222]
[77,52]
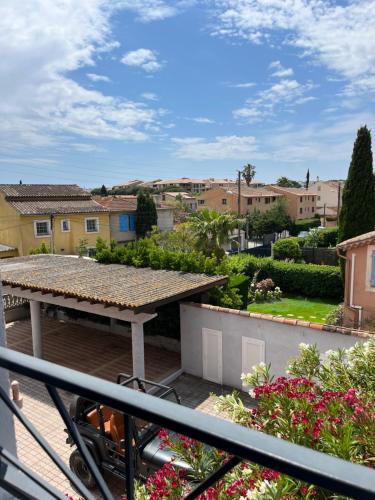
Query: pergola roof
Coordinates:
[124,287]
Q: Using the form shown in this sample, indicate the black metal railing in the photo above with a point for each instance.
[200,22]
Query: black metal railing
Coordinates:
[12,302]
[241,443]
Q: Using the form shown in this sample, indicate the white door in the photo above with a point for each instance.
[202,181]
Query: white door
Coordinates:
[212,355]
[253,352]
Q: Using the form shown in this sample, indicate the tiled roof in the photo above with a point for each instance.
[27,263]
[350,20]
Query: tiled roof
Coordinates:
[115,285]
[6,248]
[363,239]
[252,192]
[56,206]
[287,321]
[296,191]
[118,203]
[43,191]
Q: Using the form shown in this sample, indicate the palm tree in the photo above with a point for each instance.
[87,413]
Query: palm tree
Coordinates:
[212,229]
[248,173]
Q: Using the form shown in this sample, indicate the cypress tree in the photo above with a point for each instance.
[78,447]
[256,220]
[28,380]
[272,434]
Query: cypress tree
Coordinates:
[357,214]
[146,214]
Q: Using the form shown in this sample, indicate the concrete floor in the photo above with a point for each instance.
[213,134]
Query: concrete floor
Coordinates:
[100,354]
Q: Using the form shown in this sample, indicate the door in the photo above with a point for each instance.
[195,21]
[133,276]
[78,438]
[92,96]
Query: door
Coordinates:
[212,355]
[253,352]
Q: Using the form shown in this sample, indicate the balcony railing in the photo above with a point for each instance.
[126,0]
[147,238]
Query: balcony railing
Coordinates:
[12,302]
[302,463]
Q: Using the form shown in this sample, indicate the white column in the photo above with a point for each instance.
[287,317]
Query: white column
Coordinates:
[138,350]
[7,435]
[36,328]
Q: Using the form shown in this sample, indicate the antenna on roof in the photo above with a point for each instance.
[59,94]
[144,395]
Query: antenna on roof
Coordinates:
[20,182]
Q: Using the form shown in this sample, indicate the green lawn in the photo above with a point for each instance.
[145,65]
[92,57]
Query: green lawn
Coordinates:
[313,310]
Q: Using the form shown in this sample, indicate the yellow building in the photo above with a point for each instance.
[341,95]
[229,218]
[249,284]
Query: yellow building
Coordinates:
[59,215]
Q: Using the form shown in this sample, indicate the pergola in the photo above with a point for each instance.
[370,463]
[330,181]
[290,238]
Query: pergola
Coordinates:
[116,291]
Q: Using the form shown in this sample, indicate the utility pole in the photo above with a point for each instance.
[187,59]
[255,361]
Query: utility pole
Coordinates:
[52,239]
[7,434]
[338,203]
[239,210]
[324,215]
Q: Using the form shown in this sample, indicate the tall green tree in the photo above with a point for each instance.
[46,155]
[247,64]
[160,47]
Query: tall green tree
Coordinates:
[146,214]
[212,230]
[103,191]
[248,173]
[285,182]
[357,214]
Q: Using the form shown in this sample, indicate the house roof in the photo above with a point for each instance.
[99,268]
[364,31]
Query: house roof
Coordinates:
[249,192]
[125,287]
[22,191]
[47,199]
[362,239]
[6,248]
[48,207]
[118,203]
[296,191]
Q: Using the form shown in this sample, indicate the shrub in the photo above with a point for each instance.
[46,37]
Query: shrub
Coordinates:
[304,225]
[241,283]
[287,249]
[309,280]
[336,316]
[328,237]
[43,248]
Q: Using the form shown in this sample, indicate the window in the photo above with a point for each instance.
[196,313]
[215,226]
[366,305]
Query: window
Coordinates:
[92,225]
[91,252]
[318,198]
[300,210]
[224,201]
[65,226]
[301,199]
[249,201]
[200,202]
[372,279]
[42,228]
[273,198]
[266,201]
[313,209]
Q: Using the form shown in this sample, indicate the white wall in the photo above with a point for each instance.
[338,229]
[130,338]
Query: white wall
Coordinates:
[281,341]
[165,219]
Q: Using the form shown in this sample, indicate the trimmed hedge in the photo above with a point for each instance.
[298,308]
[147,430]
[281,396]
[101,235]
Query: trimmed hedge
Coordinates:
[309,280]
[303,225]
[288,248]
[242,283]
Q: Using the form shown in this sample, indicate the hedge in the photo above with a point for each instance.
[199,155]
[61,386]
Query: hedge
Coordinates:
[326,238]
[309,280]
[242,283]
[303,225]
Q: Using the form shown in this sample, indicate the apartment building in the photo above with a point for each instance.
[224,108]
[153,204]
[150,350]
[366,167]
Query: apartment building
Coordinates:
[329,195]
[224,200]
[301,203]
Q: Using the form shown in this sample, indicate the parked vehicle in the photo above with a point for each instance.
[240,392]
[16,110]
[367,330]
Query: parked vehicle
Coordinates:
[102,430]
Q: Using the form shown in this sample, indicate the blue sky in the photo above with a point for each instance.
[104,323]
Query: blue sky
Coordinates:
[99,91]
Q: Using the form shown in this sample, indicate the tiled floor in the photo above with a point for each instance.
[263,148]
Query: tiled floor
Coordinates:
[102,355]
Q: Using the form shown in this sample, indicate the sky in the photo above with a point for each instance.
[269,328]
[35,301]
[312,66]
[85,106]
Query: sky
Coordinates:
[104,91]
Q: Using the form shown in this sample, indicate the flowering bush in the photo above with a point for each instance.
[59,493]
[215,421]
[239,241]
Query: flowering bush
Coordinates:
[328,406]
[263,291]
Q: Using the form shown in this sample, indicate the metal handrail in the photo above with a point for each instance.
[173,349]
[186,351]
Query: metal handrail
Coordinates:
[302,463]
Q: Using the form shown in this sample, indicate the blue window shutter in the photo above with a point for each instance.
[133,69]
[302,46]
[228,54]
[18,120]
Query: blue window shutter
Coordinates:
[124,223]
[372,281]
[133,219]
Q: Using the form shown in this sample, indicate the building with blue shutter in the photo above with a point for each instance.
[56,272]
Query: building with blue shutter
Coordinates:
[123,218]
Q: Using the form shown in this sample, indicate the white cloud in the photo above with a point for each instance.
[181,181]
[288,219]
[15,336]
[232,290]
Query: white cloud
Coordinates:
[280,96]
[220,148]
[202,119]
[150,96]
[97,78]
[246,85]
[41,41]
[150,10]
[339,36]
[279,70]
[143,58]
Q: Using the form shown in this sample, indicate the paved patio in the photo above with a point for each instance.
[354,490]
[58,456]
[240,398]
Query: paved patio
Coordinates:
[100,354]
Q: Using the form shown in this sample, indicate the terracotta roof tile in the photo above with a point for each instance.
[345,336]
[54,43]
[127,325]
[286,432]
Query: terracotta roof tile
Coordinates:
[113,285]
[43,191]
[47,207]
[362,239]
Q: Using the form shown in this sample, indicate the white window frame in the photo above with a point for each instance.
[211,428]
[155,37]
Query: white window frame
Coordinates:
[62,226]
[97,225]
[48,222]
